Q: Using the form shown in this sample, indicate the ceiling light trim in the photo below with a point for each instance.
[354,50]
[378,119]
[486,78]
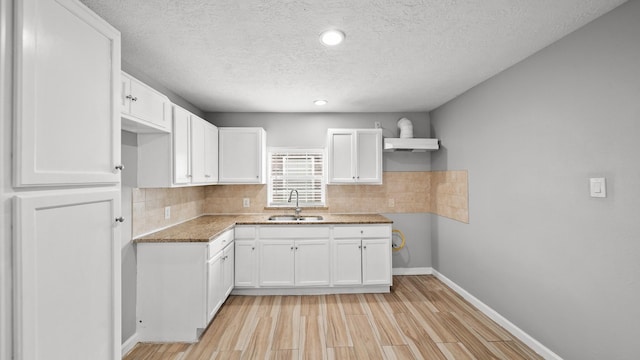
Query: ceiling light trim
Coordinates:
[332,37]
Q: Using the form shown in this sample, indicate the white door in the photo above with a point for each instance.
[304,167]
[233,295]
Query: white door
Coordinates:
[347,262]
[369,156]
[67,117]
[341,156]
[245,263]
[181,146]
[67,268]
[376,261]
[198,129]
[276,263]
[240,155]
[312,263]
[211,154]
[149,105]
[214,284]
[227,271]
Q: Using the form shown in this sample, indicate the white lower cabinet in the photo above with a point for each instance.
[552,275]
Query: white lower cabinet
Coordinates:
[356,258]
[67,275]
[181,286]
[362,255]
[347,262]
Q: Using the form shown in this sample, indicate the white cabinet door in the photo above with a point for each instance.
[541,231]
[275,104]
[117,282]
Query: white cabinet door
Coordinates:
[245,263]
[376,261]
[369,156]
[347,262]
[67,83]
[312,263]
[228,260]
[215,286]
[211,154]
[242,153]
[198,128]
[276,263]
[149,105]
[181,146]
[341,156]
[204,151]
[143,109]
[355,156]
[67,275]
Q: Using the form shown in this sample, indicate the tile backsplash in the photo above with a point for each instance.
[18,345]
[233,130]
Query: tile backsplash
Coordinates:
[444,193]
[148,207]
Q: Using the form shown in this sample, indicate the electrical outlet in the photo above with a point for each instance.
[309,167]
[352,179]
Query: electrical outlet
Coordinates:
[246,202]
[167,212]
[392,202]
[377,125]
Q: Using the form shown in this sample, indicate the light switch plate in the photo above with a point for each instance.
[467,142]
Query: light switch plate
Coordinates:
[598,187]
[167,212]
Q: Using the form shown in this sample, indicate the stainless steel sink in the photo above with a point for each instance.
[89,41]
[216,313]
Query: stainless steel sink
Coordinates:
[295,218]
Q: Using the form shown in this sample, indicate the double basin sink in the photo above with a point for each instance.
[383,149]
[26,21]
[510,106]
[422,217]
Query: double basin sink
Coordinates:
[289,218]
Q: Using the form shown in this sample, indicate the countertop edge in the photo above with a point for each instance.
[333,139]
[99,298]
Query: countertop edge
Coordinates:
[228,222]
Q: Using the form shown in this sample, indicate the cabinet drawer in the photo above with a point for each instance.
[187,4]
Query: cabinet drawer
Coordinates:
[294,232]
[365,231]
[220,242]
[245,232]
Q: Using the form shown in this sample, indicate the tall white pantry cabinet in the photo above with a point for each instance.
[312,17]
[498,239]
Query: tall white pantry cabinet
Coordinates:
[66,181]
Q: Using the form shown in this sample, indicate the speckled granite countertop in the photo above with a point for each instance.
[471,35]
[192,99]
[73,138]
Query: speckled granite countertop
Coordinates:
[205,227]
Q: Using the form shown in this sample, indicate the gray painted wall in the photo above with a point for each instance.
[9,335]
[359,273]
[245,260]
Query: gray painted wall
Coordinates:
[310,129]
[561,265]
[129,155]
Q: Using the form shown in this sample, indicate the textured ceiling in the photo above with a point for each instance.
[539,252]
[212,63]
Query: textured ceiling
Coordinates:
[399,55]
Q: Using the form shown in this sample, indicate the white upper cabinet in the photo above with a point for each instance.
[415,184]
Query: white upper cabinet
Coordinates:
[187,156]
[67,109]
[143,108]
[204,151]
[242,155]
[181,146]
[355,156]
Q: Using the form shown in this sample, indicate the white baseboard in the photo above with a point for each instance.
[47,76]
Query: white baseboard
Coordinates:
[534,344]
[129,344]
[413,271]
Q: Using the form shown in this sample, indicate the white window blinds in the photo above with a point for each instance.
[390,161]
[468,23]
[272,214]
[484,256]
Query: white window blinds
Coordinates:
[302,170]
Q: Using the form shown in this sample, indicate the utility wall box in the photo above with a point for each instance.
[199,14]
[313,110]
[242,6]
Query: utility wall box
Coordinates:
[410,144]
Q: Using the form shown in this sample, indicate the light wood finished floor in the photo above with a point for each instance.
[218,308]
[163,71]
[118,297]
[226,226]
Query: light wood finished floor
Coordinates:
[420,319]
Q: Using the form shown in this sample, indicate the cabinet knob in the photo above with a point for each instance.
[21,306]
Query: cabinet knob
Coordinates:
[357,177]
[292,248]
[364,247]
[353,177]
[120,167]
[296,248]
[188,175]
[120,219]
[359,246]
[253,248]
[207,176]
[131,97]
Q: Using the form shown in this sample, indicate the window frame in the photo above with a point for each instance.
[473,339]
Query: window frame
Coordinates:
[296,150]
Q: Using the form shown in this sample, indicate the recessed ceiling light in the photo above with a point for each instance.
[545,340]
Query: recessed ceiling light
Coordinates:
[320,102]
[332,37]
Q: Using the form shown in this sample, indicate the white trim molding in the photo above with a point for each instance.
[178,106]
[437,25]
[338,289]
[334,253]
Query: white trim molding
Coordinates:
[129,344]
[534,344]
[413,271]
